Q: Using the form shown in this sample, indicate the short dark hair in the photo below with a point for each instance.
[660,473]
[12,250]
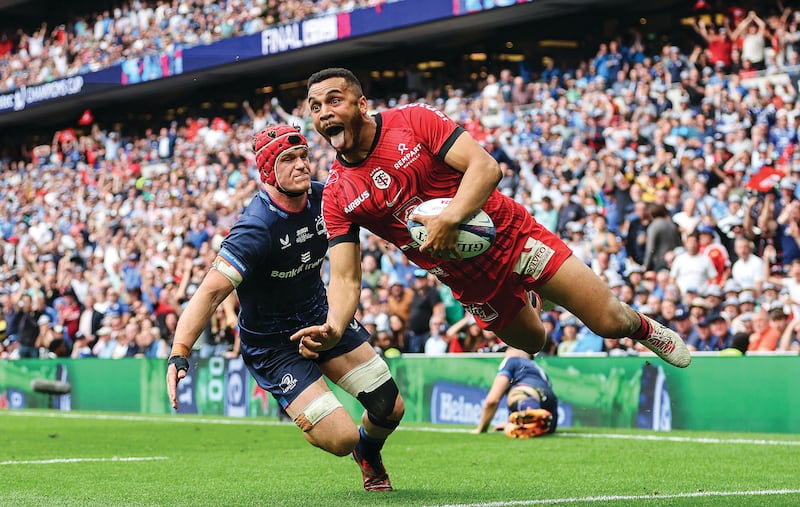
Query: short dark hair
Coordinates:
[332,72]
[658,210]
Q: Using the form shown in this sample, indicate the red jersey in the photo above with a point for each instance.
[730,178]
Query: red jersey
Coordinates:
[404,168]
[719,257]
[719,49]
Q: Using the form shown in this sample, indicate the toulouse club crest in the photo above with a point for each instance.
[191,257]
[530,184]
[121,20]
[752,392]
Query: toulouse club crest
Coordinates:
[381,179]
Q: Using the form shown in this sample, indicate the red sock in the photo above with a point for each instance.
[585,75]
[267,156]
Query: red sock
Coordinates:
[644,329]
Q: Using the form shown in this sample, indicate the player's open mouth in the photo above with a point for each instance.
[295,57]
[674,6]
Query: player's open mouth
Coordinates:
[335,136]
[333,130]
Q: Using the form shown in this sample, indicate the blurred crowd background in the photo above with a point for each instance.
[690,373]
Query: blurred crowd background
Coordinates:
[670,168]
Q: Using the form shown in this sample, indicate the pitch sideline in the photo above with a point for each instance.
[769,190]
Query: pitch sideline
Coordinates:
[115,459]
[434,429]
[624,498]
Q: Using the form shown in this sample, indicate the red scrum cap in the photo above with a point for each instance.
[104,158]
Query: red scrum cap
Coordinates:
[270,143]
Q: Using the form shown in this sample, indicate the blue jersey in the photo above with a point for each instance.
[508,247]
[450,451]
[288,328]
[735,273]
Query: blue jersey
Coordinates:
[279,255]
[522,373]
[525,372]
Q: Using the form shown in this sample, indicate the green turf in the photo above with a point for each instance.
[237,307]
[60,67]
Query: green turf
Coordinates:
[263,463]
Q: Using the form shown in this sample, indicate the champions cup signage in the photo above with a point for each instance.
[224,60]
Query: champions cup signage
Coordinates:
[298,35]
[27,95]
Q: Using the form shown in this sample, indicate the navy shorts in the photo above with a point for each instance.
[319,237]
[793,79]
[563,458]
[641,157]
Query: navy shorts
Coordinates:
[277,366]
[547,400]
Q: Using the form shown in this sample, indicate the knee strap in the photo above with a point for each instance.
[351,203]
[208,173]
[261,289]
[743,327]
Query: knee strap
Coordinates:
[319,407]
[372,384]
[380,404]
[365,377]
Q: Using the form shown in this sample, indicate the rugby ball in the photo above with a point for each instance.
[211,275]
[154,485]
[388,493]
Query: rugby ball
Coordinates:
[475,235]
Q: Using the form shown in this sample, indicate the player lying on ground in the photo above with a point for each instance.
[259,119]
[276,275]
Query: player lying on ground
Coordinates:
[532,404]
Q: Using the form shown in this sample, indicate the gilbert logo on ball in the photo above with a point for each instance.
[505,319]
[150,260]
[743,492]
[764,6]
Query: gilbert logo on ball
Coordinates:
[475,234]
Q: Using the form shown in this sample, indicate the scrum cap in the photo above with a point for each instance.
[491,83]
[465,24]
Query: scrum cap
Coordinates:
[270,143]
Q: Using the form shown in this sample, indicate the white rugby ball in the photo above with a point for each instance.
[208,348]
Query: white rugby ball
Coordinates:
[475,235]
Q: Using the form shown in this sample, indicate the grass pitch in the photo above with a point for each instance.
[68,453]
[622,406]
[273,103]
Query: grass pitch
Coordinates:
[50,458]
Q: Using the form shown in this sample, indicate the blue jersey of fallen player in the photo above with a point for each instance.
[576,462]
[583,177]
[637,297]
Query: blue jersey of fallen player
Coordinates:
[525,372]
[277,256]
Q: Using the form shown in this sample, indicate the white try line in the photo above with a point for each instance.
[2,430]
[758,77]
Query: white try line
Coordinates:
[246,421]
[81,460]
[625,498]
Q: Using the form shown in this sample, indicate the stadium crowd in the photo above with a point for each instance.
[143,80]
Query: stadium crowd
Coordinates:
[138,29]
[674,175]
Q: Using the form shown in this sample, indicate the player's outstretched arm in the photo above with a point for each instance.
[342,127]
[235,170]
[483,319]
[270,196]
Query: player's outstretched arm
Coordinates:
[496,392]
[344,291]
[212,291]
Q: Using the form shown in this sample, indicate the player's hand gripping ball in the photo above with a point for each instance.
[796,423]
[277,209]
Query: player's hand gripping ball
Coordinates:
[475,234]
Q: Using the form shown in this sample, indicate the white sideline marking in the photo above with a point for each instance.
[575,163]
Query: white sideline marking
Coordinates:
[80,460]
[694,440]
[246,421]
[615,498]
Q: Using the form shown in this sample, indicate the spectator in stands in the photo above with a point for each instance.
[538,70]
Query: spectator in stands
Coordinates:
[721,335]
[569,335]
[25,328]
[691,269]
[701,339]
[425,303]
[709,246]
[546,214]
[683,323]
[577,242]
[603,240]
[749,269]
[765,335]
[718,42]
[752,31]
[788,232]
[81,346]
[467,333]
[105,344]
[399,333]
[662,237]
[635,228]
[570,210]
[688,218]
[437,342]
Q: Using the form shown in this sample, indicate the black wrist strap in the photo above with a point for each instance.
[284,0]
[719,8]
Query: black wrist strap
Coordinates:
[180,362]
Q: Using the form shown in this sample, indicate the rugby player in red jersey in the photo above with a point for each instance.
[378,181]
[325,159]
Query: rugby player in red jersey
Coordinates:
[389,163]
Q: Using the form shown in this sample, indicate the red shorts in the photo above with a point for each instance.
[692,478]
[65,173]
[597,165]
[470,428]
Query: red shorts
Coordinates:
[542,256]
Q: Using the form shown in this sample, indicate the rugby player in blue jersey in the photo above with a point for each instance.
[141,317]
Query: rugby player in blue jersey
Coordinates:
[272,258]
[532,404]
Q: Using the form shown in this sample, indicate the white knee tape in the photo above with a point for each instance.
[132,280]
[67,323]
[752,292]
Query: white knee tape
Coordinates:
[365,377]
[319,407]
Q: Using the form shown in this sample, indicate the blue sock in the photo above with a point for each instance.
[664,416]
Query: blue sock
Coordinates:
[369,447]
[528,403]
